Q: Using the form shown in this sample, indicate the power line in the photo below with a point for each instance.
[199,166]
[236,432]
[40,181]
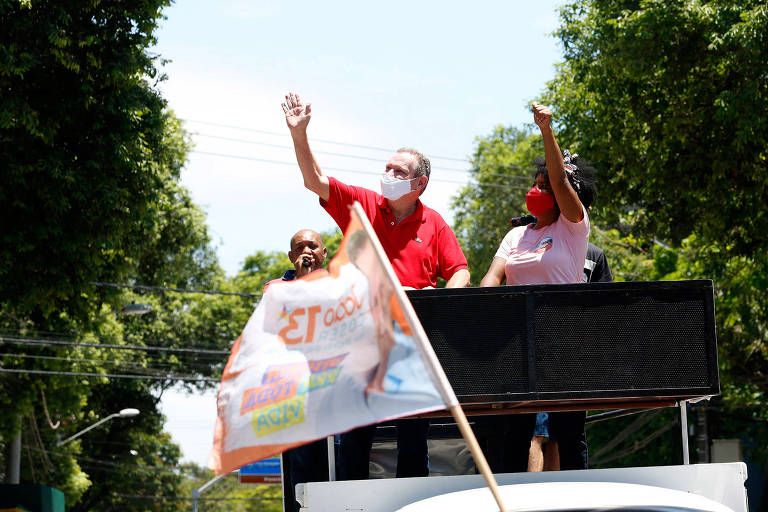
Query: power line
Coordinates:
[160,372]
[97,468]
[360,157]
[283,146]
[637,445]
[201,352]
[372,159]
[168,469]
[113,466]
[389,150]
[174,290]
[110,375]
[132,444]
[326,141]
[38,341]
[163,367]
[354,171]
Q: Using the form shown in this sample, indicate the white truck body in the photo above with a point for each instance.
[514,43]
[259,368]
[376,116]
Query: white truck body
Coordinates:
[719,483]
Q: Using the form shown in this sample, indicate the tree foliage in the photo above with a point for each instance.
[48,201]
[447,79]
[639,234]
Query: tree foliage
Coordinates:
[89,192]
[668,100]
[230,495]
[87,148]
[671,100]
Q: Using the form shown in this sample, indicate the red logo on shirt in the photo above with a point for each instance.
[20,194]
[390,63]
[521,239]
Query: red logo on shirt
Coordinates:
[544,245]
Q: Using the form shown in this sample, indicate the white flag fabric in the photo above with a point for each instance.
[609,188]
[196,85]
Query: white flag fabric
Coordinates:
[320,355]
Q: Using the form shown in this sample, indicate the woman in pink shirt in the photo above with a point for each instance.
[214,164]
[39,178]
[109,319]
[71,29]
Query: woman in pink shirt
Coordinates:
[551,251]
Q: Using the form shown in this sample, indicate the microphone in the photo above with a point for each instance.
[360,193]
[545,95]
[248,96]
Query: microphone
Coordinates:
[522,221]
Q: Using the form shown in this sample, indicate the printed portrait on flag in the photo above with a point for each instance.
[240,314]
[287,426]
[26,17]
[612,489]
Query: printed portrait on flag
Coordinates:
[320,355]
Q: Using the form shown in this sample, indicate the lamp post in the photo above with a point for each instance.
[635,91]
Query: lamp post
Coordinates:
[135,309]
[197,492]
[14,460]
[13,466]
[132,309]
[125,413]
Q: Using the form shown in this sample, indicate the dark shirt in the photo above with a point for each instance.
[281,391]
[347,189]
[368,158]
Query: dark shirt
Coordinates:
[596,269]
[289,275]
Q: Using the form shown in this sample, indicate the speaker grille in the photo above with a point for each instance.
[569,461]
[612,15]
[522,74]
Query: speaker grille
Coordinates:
[609,340]
[647,343]
[480,341]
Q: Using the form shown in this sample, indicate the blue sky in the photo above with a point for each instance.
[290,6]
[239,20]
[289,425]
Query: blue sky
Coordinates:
[431,75]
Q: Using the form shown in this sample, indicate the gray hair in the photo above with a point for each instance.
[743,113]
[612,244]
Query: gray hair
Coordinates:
[423,167]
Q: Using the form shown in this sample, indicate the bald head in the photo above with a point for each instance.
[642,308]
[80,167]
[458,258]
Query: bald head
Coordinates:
[307,251]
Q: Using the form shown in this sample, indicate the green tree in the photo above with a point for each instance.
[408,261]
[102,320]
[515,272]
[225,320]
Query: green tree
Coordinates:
[601,119]
[230,495]
[131,456]
[87,146]
[670,99]
[89,193]
[98,471]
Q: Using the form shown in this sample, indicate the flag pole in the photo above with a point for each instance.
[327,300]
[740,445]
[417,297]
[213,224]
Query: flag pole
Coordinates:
[430,359]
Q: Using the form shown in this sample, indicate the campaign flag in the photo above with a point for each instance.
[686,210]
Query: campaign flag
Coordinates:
[321,355]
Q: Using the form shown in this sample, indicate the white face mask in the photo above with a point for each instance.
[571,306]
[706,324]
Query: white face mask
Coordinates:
[393,188]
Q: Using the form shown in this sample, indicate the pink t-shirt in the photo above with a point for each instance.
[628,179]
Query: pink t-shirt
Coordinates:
[553,254]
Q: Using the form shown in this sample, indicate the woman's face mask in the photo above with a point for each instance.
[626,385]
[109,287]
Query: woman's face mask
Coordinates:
[393,188]
[539,202]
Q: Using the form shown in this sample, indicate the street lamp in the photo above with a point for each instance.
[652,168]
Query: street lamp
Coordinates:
[135,309]
[125,413]
[131,309]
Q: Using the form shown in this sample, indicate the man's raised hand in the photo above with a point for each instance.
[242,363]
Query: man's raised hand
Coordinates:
[541,115]
[297,114]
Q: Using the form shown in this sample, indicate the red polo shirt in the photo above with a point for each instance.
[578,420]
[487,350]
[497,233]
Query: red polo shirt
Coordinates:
[421,247]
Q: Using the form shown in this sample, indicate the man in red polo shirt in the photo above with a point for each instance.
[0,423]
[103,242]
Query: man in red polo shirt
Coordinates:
[419,244]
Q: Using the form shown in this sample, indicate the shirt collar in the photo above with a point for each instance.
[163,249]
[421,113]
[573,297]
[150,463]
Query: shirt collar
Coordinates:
[381,202]
[417,215]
